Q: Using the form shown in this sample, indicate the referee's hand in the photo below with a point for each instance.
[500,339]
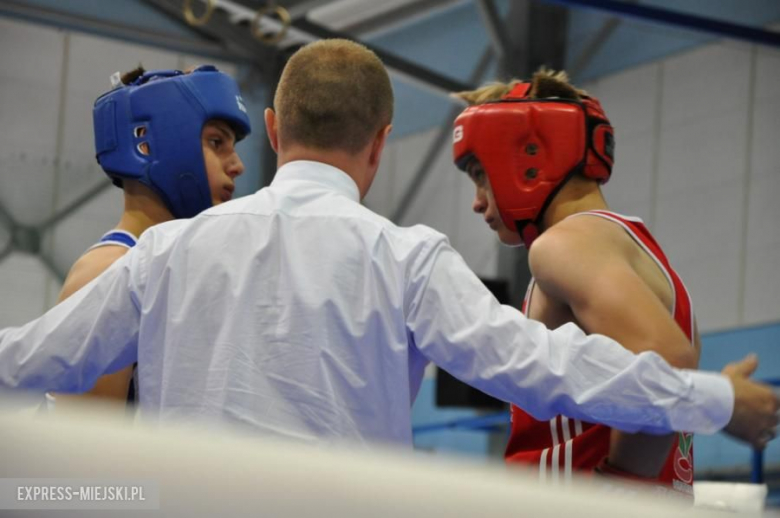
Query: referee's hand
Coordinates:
[755,416]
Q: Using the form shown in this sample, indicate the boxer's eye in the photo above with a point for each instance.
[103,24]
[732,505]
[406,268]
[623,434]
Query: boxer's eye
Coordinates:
[477,175]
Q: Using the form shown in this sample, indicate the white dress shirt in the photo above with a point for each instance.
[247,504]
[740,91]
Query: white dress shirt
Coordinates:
[298,312]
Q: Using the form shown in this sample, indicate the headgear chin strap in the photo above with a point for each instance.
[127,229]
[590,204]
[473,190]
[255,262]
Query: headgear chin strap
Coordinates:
[529,148]
[150,131]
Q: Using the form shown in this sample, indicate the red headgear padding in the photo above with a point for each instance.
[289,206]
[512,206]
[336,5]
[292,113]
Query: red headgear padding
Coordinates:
[530,147]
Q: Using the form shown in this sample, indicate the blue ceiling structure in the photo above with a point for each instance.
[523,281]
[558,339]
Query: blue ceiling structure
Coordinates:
[603,36]
[639,39]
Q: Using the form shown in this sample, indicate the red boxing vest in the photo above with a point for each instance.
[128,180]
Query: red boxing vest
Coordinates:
[562,445]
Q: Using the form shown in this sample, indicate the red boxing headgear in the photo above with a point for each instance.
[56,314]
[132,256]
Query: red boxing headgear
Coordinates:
[529,148]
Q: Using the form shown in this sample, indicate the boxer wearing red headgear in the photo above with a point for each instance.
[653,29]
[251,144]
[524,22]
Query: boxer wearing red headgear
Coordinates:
[537,153]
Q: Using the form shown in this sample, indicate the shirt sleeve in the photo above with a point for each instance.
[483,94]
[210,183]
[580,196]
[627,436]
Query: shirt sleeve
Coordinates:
[91,333]
[456,323]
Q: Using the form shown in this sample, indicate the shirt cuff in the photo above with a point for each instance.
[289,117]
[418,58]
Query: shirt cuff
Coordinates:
[709,405]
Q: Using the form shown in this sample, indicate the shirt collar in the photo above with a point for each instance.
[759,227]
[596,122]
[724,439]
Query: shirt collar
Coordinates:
[320,173]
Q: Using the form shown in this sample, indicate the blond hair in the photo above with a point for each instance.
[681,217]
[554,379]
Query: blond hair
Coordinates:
[545,83]
[333,95]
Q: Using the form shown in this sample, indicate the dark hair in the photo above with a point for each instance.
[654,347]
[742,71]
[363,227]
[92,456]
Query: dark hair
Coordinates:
[132,75]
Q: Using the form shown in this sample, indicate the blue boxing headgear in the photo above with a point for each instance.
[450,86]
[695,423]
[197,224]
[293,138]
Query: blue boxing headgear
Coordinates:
[166,110]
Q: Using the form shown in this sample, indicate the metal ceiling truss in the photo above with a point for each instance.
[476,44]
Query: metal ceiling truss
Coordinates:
[300,8]
[440,140]
[499,39]
[230,14]
[597,41]
[414,73]
[7,223]
[27,238]
[547,36]
[394,18]
[593,46]
[222,27]
[62,18]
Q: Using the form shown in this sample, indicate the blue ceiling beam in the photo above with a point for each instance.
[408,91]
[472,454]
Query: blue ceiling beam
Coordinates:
[687,21]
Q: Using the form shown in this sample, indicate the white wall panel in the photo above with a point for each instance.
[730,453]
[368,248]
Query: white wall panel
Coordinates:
[410,150]
[23,281]
[700,189]
[713,288]
[30,77]
[762,263]
[94,59]
[476,242]
[629,100]
[436,201]
[764,210]
[700,232]
[444,200]
[767,73]
[5,238]
[630,189]
[713,78]
[703,152]
[762,283]
[702,175]
[71,236]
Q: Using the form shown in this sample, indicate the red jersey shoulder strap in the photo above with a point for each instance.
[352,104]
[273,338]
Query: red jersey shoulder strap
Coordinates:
[682,310]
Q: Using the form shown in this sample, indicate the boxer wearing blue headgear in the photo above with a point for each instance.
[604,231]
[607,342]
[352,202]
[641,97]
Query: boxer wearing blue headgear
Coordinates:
[149,131]
[167,138]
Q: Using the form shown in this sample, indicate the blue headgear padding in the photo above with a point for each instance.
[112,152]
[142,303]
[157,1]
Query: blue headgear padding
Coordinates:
[172,107]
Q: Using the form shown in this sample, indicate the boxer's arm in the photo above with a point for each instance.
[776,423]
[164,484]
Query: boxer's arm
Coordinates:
[607,296]
[583,269]
[93,332]
[456,323]
[88,267]
[113,386]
